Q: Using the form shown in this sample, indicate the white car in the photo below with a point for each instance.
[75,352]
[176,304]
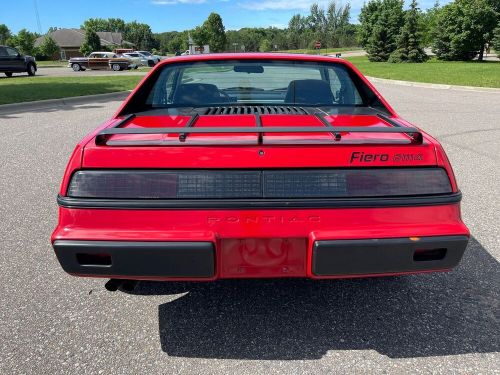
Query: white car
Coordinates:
[149,55]
[140,58]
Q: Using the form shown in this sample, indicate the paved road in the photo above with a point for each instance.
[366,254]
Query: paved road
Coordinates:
[53,323]
[68,72]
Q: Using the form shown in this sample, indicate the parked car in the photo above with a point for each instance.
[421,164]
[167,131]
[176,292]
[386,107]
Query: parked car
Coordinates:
[139,58]
[136,60]
[149,55]
[11,61]
[257,166]
[101,60]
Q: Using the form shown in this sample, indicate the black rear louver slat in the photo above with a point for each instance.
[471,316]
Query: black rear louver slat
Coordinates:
[252,110]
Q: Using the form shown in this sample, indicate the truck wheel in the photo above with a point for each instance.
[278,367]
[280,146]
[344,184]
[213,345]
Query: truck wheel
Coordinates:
[76,67]
[116,67]
[8,74]
[31,69]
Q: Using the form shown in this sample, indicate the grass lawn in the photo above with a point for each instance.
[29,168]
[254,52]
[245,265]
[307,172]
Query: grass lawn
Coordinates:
[51,63]
[483,74]
[23,88]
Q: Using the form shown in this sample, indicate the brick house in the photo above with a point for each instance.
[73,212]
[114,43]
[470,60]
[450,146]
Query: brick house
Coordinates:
[70,41]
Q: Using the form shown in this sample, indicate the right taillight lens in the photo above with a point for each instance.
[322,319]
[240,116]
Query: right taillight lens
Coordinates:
[255,184]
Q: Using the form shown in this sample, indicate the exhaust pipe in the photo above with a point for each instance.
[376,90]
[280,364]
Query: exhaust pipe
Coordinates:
[113,284]
[126,285]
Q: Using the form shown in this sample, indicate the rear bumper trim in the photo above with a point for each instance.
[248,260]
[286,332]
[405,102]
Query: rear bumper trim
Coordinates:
[147,259]
[190,204]
[385,256]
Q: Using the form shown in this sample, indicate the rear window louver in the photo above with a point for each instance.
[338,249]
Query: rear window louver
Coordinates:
[252,110]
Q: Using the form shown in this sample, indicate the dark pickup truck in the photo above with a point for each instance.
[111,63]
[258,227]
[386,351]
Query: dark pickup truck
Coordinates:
[11,61]
[101,60]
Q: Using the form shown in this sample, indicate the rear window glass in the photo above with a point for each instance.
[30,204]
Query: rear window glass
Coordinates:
[253,82]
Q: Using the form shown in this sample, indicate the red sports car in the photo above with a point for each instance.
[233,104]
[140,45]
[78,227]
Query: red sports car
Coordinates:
[256,166]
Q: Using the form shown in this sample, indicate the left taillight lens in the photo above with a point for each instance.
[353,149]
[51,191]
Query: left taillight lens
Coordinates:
[165,184]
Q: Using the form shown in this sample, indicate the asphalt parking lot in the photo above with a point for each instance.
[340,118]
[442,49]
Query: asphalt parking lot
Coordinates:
[53,323]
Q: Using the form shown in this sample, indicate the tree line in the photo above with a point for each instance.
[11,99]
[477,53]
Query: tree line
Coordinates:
[330,26]
[460,30]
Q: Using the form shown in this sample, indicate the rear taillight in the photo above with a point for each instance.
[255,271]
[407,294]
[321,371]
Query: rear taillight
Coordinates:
[252,184]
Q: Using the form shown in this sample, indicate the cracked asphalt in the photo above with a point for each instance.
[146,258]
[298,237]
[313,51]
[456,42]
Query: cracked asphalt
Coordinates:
[52,323]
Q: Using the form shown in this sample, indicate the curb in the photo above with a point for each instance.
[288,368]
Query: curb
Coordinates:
[434,85]
[51,103]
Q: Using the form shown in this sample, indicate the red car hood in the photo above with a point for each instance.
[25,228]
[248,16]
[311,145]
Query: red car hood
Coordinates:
[282,150]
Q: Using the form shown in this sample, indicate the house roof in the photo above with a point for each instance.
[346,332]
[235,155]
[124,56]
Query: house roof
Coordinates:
[66,38]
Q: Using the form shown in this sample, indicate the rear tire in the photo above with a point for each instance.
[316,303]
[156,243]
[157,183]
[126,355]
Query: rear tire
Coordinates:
[76,67]
[116,67]
[31,69]
[8,74]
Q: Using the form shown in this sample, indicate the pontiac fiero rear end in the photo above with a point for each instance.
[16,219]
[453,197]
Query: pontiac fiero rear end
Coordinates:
[257,165]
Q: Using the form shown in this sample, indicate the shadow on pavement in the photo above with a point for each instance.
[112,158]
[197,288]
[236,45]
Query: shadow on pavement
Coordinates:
[292,319]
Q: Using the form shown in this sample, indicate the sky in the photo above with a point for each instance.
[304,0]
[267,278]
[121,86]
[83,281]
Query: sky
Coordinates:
[162,15]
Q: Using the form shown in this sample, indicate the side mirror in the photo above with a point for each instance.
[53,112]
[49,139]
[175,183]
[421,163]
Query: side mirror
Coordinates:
[18,55]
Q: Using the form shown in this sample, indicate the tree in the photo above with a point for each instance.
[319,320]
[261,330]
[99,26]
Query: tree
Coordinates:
[25,42]
[4,33]
[91,43]
[49,47]
[337,22]
[296,28]
[370,12]
[386,23]
[96,24]
[140,35]
[463,28]
[200,36]
[216,33]
[428,22]
[265,46]
[495,43]
[409,41]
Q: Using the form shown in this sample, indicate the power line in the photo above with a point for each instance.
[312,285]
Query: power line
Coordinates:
[37,17]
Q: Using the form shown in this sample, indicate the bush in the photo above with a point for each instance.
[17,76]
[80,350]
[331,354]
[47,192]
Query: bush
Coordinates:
[495,43]
[49,47]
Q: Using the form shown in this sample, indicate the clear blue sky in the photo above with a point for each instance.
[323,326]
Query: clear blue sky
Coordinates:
[162,15]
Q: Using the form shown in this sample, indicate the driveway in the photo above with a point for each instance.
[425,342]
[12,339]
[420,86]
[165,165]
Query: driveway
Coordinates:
[53,323]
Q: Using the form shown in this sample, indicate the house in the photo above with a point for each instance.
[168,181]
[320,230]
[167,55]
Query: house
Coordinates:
[70,41]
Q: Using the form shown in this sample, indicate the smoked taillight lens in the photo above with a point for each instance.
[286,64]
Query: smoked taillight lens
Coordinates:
[155,184]
[254,184]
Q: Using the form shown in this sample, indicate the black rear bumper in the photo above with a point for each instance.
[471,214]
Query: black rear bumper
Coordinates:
[129,259]
[197,260]
[386,256]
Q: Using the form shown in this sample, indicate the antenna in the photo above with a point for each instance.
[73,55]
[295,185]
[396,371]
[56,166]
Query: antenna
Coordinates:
[37,17]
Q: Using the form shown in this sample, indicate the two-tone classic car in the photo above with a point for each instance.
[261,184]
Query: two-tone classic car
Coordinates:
[255,166]
[102,61]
